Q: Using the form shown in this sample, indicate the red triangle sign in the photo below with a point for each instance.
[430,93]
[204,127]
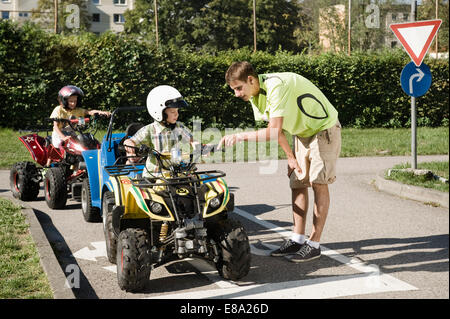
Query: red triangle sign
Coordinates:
[416,37]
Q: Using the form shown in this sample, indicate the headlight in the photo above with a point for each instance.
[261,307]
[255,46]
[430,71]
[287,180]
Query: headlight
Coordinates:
[155,207]
[215,202]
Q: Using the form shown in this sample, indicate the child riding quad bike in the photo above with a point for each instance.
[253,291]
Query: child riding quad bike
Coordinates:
[176,213]
[61,169]
[179,212]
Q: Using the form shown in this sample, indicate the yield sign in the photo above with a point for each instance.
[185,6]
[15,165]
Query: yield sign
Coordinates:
[416,37]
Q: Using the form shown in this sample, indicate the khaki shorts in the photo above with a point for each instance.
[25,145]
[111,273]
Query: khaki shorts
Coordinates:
[317,156]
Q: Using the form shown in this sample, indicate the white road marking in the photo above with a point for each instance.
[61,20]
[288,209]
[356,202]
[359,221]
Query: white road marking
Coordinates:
[112,268]
[211,272]
[92,254]
[351,262]
[320,288]
[370,280]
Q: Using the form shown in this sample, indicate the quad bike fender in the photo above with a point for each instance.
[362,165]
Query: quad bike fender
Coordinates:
[40,149]
[91,158]
[135,200]
[217,188]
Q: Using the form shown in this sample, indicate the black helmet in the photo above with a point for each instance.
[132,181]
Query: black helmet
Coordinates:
[70,90]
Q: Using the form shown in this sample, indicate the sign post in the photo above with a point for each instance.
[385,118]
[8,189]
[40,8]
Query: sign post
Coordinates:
[416,38]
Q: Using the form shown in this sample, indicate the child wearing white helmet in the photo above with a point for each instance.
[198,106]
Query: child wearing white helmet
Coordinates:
[166,131]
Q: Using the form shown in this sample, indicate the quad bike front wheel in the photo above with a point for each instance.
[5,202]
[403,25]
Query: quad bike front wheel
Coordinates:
[91,213]
[234,249]
[133,259]
[55,187]
[24,181]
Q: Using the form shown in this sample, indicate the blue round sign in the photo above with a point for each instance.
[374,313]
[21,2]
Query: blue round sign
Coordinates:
[415,80]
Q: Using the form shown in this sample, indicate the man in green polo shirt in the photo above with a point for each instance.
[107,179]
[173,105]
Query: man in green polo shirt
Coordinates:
[290,102]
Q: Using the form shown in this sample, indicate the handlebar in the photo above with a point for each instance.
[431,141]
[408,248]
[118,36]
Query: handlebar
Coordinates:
[80,120]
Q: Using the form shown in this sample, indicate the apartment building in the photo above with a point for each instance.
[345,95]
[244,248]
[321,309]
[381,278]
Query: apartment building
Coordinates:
[108,14]
[104,15]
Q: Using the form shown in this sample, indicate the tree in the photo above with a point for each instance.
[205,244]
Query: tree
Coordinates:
[44,13]
[427,11]
[217,24]
[175,20]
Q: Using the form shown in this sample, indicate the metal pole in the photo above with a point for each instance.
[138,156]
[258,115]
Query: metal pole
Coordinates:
[349,24]
[413,106]
[156,23]
[254,25]
[56,16]
[437,17]
[413,134]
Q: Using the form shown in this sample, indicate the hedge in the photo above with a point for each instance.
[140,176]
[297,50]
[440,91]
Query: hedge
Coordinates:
[118,70]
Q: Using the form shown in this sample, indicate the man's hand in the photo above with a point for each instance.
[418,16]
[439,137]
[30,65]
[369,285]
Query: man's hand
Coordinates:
[229,140]
[292,166]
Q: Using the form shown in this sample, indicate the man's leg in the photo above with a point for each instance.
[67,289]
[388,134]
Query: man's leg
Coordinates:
[299,209]
[321,206]
[311,250]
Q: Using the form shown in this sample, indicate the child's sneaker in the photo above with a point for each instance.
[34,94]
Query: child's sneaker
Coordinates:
[306,253]
[289,247]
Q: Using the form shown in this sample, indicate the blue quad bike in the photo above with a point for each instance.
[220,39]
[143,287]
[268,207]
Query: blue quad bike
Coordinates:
[148,221]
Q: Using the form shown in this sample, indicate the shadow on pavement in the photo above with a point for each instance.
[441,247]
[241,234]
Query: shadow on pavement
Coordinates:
[428,253]
[64,255]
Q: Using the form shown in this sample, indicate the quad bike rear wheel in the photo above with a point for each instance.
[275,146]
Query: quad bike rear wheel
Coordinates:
[91,213]
[234,249]
[55,187]
[133,259]
[24,181]
[110,235]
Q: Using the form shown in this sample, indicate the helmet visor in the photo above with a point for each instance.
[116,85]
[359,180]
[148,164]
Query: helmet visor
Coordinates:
[176,103]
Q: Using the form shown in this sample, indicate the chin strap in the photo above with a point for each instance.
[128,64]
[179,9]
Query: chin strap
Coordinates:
[168,125]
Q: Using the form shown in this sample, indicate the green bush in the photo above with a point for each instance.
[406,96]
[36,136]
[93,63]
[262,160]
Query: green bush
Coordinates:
[119,70]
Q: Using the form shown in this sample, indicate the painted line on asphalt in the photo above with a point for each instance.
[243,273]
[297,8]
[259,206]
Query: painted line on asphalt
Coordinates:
[320,288]
[369,281]
[351,262]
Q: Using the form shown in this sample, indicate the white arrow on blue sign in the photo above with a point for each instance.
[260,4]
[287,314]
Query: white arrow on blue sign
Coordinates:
[415,80]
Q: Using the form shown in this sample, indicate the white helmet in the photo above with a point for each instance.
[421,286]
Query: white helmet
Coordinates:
[162,97]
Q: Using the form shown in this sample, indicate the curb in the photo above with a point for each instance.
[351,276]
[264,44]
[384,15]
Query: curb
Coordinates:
[411,192]
[48,261]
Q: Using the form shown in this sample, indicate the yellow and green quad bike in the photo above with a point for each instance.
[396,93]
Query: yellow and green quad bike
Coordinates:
[178,213]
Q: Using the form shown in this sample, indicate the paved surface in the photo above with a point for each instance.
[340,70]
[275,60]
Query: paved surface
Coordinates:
[375,244]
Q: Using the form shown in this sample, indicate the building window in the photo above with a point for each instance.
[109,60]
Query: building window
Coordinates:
[95,1]
[96,17]
[123,2]
[119,18]
[393,44]
[5,14]
[23,14]
[6,1]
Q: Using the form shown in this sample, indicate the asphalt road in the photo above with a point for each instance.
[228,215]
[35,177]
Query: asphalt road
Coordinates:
[375,245]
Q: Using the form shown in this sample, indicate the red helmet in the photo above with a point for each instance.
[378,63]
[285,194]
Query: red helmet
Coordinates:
[70,90]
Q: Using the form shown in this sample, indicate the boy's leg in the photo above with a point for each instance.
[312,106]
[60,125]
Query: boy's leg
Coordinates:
[299,209]
[321,206]
[325,151]
[299,183]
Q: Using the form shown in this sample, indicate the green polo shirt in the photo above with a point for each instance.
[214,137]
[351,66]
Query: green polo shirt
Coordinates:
[304,108]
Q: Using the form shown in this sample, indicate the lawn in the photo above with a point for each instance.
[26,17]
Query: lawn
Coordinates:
[355,142]
[21,275]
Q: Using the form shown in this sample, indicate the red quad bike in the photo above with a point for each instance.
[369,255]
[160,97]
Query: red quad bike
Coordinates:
[66,172]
